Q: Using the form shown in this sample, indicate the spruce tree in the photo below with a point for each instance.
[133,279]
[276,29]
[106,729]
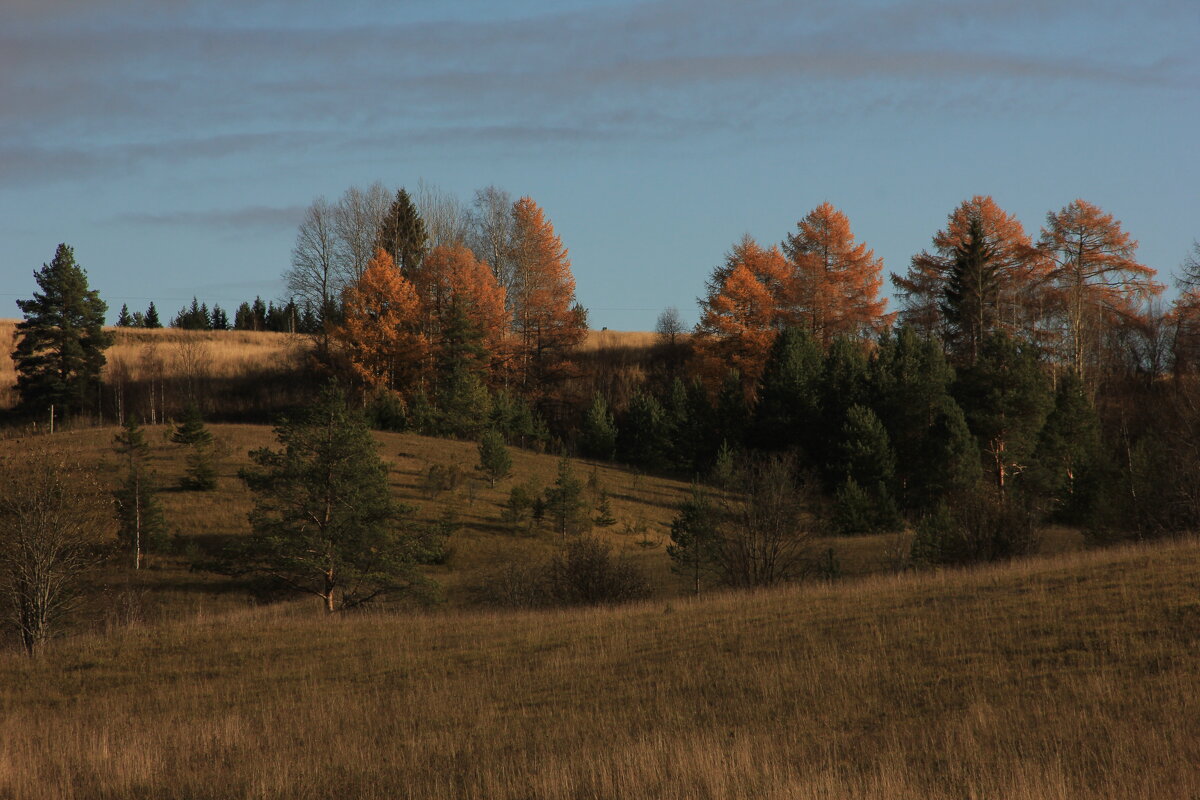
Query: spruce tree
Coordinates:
[139,514]
[201,471]
[152,320]
[124,320]
[1067,459]
[971,295]
[644,435]
[695,538]
[565,502]
[788,393]
[61,341]
[598,433]
[402,234]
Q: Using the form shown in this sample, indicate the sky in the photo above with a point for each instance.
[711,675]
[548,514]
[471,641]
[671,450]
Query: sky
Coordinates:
[175,143]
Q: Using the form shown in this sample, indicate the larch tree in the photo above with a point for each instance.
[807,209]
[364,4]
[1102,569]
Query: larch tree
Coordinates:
[1099,284]
[402,234]
[61,341]
[381,326]
[740,315]
[1018,303]
[452,282]
[835,282]
[546,319]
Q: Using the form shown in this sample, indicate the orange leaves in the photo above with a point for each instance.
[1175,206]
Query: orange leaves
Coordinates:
[835,282]
[1093,271]
[451,274]
[543,293]
[743,310]
[381,326]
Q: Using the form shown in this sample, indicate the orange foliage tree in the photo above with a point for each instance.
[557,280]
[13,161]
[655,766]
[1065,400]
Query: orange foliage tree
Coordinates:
[1019,304]
[743,310]
[462,306]
[835,284]
[1093,272]
[546,319]
[381,330]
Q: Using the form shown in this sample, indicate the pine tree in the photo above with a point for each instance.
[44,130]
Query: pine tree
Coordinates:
[152,320]
[220,320]
[201,471]
[124,320]
[494,459]
[1068,459]
[139,513]
[61,341]
[402,235]
[190,429]
[324,521]
[644,438]
[604,516]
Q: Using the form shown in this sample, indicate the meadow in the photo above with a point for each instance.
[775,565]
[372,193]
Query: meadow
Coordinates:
[1071,676]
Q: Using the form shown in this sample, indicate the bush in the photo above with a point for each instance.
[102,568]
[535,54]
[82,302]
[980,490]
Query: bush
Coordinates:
[978,525]
[440,478]
[584,572]
[386,411]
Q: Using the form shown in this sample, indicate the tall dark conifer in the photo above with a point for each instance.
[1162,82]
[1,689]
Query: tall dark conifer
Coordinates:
[402,234]
[61,341]
[969,301]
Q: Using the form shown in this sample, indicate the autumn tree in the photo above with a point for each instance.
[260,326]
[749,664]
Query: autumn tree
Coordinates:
[1094,273]
[381,326]
[740,314]
[463,308]
[492,233]
[61,341]
[546,319]
[1014,299]
[357,219]
[402,234]
[835,282]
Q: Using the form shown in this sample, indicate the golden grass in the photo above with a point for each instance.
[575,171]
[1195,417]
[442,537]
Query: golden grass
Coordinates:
[606,339]
[171,354]
[1067,677]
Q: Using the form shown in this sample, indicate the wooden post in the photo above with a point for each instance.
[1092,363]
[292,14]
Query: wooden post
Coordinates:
[52,418]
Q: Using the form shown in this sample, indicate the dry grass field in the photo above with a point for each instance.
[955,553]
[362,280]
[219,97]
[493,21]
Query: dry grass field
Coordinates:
[1066,677]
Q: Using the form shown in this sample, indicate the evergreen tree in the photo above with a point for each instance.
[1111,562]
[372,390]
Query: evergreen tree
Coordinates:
[604,516]
[731,415]
[152,320]
[844,384]
[402,234]
[139,514]
[598,433]
[787,414]
[695,538]
[463,404]
[494,459]
[220,320]
[971,296]
[243,318]
[201,471]
[61,341]
[324,521]
[643,439]
[1067,460]
[565,502]
[258,312]
[124,320]
[138,320]
[1005,396]
[865,474]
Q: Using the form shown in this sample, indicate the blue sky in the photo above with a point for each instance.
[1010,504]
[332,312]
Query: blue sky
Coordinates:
[175,143]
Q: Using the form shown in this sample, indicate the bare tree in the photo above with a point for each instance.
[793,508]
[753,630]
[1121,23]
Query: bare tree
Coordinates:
[669,326]
[492,239]
[314,276]
[357,217]
[768,525]
[447,219]
[54,518]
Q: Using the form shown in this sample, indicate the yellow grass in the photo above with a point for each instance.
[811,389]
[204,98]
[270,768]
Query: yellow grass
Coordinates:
[1068,677]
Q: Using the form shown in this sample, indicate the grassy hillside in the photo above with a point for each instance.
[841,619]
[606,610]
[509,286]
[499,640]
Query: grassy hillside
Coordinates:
[1068,677]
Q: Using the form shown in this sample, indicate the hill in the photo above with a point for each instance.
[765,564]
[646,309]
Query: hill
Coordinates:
[1066,677]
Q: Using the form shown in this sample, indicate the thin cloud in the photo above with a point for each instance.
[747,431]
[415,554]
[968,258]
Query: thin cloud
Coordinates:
[247,218]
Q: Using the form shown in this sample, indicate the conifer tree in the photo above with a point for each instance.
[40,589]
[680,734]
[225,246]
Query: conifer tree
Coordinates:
[124,320]
[402,234]
[61,341]
[201,471]
[834,289]
[971,297]
[547,320]
[565,502]
[324,521]
[644,437]
[1067,460]
[139,513]
[598,432]
[695,538]
[494,459]
[787,412]
[152,320]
